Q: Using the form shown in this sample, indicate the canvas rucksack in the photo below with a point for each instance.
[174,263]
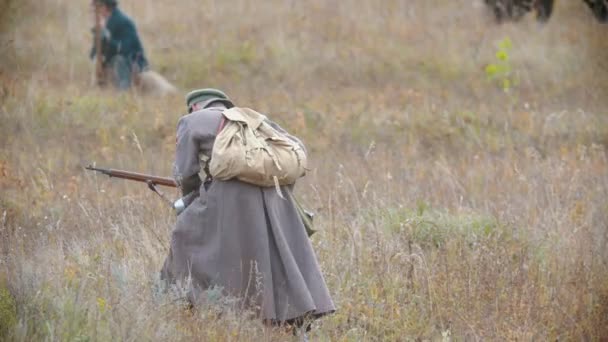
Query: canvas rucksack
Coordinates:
[248,148]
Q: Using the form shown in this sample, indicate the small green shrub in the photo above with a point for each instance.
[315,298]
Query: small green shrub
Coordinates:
[501,70]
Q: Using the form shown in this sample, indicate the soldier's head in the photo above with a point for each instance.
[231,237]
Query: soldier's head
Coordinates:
[105,5]
[205,98]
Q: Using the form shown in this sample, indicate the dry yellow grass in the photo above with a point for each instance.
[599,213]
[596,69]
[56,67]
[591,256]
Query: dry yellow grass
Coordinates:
[447,208]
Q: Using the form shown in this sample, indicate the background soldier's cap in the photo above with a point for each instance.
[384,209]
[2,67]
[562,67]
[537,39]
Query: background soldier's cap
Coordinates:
[106,2]
[207,96]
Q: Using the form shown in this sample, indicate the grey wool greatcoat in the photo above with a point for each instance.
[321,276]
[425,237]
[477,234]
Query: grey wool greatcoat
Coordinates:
[242,238]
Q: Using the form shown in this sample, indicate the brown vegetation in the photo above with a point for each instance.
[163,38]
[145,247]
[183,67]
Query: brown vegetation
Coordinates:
[447,206]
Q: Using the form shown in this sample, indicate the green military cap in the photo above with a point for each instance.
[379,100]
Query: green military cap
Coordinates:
[207,95]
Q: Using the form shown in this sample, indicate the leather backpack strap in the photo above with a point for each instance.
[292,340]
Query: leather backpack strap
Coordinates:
[206,159]
[221,126]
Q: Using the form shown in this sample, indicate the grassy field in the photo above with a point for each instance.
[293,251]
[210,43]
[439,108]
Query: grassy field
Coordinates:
[460,170]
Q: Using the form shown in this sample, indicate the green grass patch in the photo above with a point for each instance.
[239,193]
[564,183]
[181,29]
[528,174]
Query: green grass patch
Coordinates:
[430,227]
[8,310]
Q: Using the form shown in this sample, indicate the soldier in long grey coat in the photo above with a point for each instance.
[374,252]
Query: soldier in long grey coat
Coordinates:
[243,238]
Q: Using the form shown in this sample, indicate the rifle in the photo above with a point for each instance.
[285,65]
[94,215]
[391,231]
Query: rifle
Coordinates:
[152,181]
[182,203]
[99,72]
[135,176]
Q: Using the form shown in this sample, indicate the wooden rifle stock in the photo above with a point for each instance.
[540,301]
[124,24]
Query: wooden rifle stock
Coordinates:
[135,176]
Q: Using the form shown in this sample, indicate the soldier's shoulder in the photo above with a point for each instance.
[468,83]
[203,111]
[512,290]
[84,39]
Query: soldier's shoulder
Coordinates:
[184,120]
[207,112]
[122,18]
[201,116]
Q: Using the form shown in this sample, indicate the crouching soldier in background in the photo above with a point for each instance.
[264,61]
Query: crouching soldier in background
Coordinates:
[119,53]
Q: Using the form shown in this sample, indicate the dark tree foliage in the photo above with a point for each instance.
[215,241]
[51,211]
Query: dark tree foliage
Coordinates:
[511,9]
[599,9]
[515,9]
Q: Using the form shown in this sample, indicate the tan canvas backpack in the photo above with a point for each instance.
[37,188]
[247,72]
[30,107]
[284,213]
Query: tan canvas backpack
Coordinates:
[250,149]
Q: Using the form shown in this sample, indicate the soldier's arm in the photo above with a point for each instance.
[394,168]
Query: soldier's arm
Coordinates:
[111,45]
[187,165]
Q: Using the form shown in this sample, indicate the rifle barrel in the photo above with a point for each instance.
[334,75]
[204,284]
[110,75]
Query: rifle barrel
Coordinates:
[136,176]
